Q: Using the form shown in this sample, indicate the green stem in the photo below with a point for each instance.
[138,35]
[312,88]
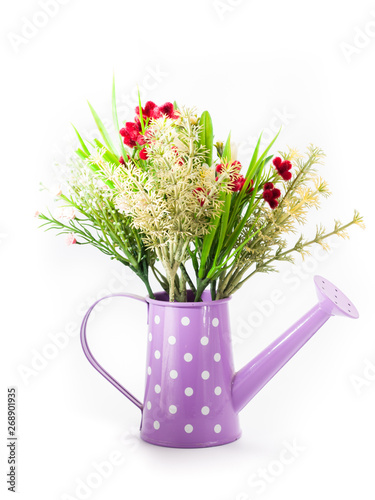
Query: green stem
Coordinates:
[187,278]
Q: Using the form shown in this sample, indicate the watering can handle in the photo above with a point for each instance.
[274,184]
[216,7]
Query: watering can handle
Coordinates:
[91,358]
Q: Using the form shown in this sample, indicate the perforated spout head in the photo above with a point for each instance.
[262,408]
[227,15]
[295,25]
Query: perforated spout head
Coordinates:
[332,300]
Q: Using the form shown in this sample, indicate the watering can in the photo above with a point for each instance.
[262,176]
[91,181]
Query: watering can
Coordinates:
[193,395]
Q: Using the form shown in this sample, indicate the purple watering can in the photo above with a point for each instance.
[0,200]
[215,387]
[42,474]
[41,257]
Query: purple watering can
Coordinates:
[193,395]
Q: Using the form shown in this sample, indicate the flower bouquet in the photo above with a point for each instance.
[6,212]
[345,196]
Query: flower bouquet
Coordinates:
[161,197]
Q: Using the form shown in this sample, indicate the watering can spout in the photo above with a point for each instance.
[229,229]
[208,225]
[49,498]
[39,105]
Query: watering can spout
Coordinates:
[254,376]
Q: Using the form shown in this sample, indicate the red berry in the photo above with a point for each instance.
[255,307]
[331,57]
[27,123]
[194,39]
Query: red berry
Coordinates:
[121,160]
[277,161]
[276,193]
[287,175]
[286,165]
[267,195]
[268,185]
[273,204]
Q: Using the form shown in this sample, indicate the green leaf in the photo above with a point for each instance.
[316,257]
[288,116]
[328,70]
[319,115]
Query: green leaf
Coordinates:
[141,112]
[81,154]
[108,155]
[103,131]
[223,225]
[207,242]
[82,142]
[115,117]
[206,135]
[255,156]
[227,153]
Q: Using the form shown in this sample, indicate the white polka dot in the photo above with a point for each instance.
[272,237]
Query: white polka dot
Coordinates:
[150,336]
[171,340]
[188,357]
[217,391]
[157,354]
[217,357]
[205,410]
[204,340]
[148,405]
[173,374]
[215,322]
[157,388]
[173,409]
[185,321]
[188,428]
[156,425]
[217,428]
[157,319]
[205,375]
[149,370]
[189,391]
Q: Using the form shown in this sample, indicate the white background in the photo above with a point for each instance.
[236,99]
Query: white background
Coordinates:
[249,63]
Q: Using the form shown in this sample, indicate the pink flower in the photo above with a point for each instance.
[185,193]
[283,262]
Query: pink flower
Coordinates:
[70,239]
[65,213]
[56,190]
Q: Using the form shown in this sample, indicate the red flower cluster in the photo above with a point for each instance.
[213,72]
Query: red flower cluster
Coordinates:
[152,111]
[236,180]
[197,192]
[143,154]
[283,168]
[132,132]
[270,194]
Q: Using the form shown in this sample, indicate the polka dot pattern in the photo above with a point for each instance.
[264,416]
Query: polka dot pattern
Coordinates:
[189,375]
[205,410]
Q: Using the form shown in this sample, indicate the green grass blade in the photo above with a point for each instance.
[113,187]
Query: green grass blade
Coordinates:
[103,131]
[255,156]
[206,135]
[223,225]
[115,117]
[82,142]
[227,153]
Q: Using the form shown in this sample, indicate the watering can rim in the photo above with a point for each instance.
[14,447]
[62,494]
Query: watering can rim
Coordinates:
[163,301]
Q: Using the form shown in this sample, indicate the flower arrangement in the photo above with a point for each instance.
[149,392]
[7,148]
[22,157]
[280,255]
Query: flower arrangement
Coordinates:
[163,198]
